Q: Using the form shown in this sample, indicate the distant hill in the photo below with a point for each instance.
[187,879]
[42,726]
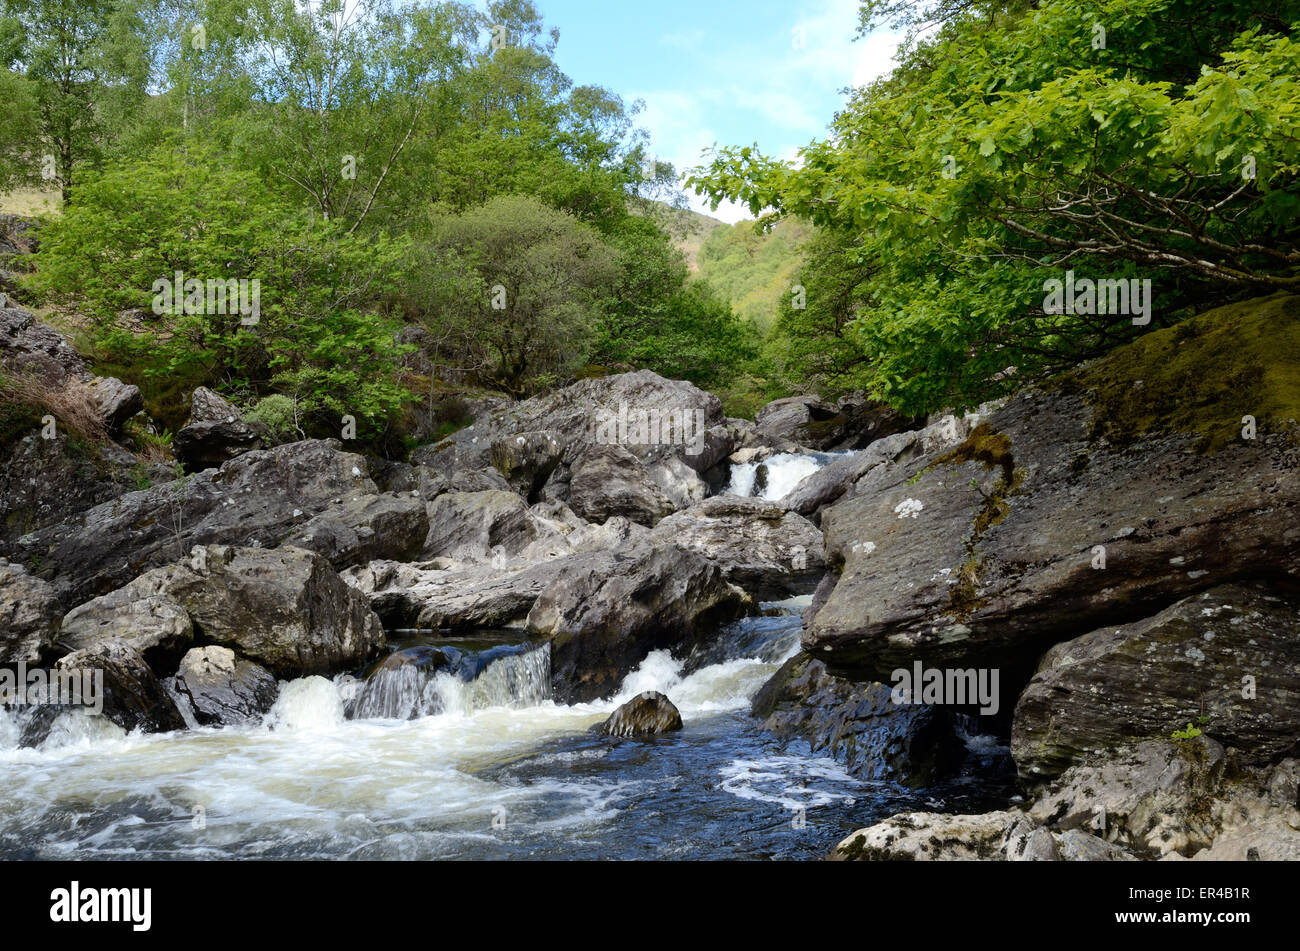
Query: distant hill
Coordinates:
[688,228]
[754,270]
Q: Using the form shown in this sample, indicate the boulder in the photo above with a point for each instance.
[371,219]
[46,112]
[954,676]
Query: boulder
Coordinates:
[133,697]
[258,499]
[361,528]
[141,615]
[117,401]
[796,418]
[286,608]
[472,526]
[645,714]
[860,725]
[29,615]
[608,481]
[602,619]
[526,460]
[443,593]
[214,434]
[928,837]
[1226,659]
[224,689]
[769,552]
[600,411]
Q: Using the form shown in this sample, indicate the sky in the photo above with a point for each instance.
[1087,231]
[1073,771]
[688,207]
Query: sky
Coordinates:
[734,72]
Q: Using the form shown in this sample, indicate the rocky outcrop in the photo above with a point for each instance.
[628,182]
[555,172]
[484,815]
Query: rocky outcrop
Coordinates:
[860,725]
[133,698]
[214,434]
[769,552]
[1156,800]
[646,714]
[45,482]
[31,347]
[1226,660]
[224,689]
[29,615]
[984,555]
[258,499]
[285,608]
[602,619]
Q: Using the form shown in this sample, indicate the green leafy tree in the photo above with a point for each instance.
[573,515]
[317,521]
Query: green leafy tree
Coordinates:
[318,332]
[86,64]
[1121,139]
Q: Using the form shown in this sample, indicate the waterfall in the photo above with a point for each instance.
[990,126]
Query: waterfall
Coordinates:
[776,476]
[511,677]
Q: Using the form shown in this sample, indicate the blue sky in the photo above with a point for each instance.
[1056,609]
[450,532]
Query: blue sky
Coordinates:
[725,71]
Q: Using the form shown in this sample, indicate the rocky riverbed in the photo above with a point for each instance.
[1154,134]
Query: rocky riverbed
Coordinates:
[372,656]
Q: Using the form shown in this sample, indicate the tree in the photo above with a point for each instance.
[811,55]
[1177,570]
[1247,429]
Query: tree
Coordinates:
[1120,139]
[87,66]
[537,276]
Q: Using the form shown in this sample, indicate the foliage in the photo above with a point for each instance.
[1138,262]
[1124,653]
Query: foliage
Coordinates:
[1011,145]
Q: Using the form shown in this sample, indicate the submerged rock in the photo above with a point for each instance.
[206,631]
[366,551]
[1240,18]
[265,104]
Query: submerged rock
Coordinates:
[645,714]
[224,689]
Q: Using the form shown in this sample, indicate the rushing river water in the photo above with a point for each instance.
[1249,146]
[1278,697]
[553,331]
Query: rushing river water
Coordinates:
[469,761]
[497,771]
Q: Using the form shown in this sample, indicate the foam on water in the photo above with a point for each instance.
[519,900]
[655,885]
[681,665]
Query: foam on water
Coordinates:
[310,783]
[784,472]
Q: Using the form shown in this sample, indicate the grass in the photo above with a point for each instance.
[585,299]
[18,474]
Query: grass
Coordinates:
[28,202]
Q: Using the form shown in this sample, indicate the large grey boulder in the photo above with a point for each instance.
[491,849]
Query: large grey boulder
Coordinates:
[473,526]
[285,608]
[1226,660]
[603,411]
[29,615]
[602,619]
[31,347]
[608,481]
[141,614]
[769,552]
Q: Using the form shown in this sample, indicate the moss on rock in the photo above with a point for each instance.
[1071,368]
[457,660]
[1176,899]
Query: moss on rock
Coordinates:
[1200,377]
